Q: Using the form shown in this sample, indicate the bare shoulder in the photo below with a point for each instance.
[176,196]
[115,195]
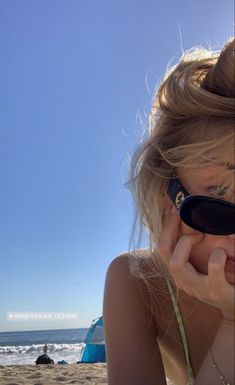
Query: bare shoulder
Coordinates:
[120,279]
[121,276]
[133,355]
[123,262]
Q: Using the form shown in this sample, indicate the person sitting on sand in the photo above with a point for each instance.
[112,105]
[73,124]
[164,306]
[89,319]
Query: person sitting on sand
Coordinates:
[169,309]
[44,358]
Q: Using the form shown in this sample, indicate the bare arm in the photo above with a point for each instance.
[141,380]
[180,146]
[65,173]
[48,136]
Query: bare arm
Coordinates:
[223,351]
[133,356]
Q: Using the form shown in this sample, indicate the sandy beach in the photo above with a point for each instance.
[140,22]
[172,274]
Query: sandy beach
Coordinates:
[92,374]
[86,374]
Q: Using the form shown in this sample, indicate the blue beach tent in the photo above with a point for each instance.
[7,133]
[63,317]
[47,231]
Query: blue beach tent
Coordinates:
[94,349]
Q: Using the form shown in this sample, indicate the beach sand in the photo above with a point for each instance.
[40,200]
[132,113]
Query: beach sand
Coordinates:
[92,374]
[86,374]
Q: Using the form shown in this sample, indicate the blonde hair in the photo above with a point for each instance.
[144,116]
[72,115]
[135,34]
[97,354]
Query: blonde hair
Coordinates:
[192,112]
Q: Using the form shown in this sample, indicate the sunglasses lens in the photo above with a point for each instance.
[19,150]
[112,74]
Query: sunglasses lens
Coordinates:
[211,217]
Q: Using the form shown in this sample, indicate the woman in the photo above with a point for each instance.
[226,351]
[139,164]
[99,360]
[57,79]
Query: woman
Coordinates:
[169,309]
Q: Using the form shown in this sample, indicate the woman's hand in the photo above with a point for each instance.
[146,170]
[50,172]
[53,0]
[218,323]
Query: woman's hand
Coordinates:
[212,288]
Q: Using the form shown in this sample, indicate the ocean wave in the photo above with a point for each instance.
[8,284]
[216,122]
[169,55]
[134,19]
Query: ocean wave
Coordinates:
[52,348]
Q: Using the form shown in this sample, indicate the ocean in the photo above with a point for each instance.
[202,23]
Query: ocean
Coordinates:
[23,347]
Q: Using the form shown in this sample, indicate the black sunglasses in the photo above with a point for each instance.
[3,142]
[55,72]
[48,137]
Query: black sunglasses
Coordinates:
[203,213]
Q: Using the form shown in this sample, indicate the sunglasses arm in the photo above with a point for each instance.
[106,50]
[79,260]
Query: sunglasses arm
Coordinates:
[176,192]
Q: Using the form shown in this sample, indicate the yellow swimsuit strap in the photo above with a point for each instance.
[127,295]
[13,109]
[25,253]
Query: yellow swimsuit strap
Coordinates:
[182,331]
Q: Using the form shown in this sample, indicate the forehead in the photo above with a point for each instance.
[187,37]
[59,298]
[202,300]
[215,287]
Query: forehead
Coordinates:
[217,166]
[207,174]
[223,157]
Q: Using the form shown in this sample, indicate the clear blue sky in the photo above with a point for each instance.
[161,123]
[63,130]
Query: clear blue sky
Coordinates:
[76,79]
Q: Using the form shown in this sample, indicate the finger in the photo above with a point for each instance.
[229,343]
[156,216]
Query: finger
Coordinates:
[216,268]
[185,275]
[220,290]
[183,250]
[170,233]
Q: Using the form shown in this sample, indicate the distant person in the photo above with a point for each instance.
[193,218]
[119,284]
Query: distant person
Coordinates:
[44,358]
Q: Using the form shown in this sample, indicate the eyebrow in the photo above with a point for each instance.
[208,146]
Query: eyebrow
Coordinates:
[228,165]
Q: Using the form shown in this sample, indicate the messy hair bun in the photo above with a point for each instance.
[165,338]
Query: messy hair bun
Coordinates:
[220,79]
[202,84]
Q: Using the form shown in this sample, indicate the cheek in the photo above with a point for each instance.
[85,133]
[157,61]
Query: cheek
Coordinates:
[199,255]
[185,230]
